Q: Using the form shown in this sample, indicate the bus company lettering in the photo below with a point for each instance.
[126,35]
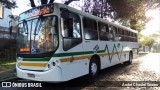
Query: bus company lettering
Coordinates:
[34,12]
[47,9]
[37,12]
[44,11]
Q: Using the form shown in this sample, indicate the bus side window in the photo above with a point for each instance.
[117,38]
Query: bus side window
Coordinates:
[71,31]
[112,32]
[103,31]
[122,36]
[90,29]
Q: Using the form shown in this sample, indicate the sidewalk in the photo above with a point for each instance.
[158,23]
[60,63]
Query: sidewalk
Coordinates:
[143,53]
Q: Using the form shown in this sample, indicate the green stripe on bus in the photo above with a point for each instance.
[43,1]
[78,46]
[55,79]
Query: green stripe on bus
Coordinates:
[72,53]
[37,59]
[76,53]
[60,55]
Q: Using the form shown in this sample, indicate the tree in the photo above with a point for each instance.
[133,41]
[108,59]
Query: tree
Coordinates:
[69,1]
[127,12]
[42,2]
[133,11]
[32,3]
[99,8]
[148,40]
[9,4]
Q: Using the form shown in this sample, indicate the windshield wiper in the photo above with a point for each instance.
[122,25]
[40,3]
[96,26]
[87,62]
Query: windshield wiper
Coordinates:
[25,26]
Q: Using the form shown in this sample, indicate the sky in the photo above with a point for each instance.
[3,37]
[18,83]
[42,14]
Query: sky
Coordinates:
[153,26]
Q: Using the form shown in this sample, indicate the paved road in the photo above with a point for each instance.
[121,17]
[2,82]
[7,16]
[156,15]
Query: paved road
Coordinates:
[145,68]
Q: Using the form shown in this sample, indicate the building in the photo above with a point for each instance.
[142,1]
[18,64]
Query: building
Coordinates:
[7,41]
[4,22]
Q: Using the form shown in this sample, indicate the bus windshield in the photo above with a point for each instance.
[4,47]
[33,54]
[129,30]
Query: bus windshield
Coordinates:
[38,35]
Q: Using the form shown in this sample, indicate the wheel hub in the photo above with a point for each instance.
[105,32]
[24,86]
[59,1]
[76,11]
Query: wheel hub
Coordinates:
[93,68]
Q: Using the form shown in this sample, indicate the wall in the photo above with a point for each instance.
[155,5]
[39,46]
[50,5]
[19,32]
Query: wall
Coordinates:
[4,22]
[7,41]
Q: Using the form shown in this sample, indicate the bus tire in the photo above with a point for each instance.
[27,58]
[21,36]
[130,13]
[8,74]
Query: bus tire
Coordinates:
[93,68]
[129,62]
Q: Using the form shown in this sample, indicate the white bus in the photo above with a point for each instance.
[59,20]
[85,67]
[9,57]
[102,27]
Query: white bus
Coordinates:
[57,43]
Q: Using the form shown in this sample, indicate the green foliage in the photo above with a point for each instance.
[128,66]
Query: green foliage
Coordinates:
[141,39]
[127,12]
[9,4]
[13,17]
[7,63]
[148,40]
[156,35]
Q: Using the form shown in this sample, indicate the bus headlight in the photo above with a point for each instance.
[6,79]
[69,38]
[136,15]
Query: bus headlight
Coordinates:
[50,65]
[53,63]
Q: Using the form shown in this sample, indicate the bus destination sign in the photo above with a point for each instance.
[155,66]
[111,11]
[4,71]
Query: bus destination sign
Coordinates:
[47,9]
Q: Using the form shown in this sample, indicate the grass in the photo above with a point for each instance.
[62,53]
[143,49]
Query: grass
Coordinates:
[7,69]
[7,63]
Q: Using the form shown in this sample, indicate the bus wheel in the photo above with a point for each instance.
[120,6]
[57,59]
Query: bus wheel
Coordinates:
[93,68]
[129,62]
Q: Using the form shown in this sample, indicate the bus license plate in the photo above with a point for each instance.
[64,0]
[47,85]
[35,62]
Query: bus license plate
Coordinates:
[31,75]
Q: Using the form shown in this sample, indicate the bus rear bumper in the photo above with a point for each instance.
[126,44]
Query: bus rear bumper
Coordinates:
[53,75]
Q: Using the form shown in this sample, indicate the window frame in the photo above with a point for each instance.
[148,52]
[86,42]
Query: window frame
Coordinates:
[71,38]
[107,29]
[113,29]
[95,30]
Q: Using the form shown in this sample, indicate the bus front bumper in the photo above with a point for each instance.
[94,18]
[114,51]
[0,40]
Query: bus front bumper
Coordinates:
[52,75]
